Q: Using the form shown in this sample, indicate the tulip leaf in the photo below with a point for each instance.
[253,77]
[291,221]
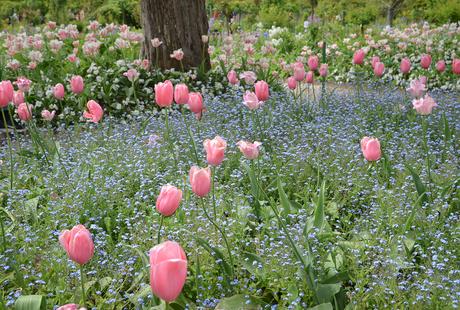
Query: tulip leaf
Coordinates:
[218,256]
[252,262]
[285,203]
[325,292]
[319,210]
[419,186]
[254,188]
[325,306]
[30,302]
[240,301]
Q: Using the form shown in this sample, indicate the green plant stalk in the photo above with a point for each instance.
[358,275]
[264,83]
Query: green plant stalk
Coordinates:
[18,146]
[171,149]
[427,151]
[230,256]
[213,189]
[3,234]
[190,134]
[9,148]
[82,286]
[159,229]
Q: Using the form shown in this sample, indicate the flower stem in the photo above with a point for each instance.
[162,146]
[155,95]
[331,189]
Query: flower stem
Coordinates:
[9,148]
[213,188]
[3,234]
[171,148]
[82,286]
[230,256]
[190,134]
[159,229]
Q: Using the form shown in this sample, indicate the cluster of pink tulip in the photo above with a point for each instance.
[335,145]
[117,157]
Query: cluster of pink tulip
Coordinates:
[166,94]
[299,73]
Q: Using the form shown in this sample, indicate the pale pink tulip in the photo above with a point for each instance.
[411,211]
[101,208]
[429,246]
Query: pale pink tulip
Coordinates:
[291,83]
[379,68]
[23,84]
[215,150]
[177,54]
[195,102]
[78,244]
[181,94]
[313,62]
[200,180]
[76,84]
[232,77]
[168,270]
[18,97]
[375,59]
[251,101]
[24,111]
[405,66]
[249,77]
[309,78]
[441,66]
[94,112]
[416,88]
[47,115]
[68,307]
[425,105]
[299,71]
[249,150]
[6,93]
[164,93]
[371,148]
[156,42]
[262,90]
[59,91]
[323,70]
[168,200]
[131,74]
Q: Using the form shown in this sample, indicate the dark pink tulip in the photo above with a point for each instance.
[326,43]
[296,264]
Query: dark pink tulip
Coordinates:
[18,97]
[291,83]
[405,65]
[441,66]
[200,180]
[323,70]
[6,93]
[76,84]
[310,77]
[94,111]
[358,57]
[168,270]
[215,150]
[313,62]
[78,244]
[59,91]
[24,111]
[379,68]
[249,150]
[168,200]
[261,90]
[232,77]
[181,94]
[195,102]
[371,148]
[456,66]
[425,61]
[164,93]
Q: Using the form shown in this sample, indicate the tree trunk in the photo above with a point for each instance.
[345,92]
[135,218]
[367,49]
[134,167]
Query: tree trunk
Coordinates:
[178,24]
[393,9]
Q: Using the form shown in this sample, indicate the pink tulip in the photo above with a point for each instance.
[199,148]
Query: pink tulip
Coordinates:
[23,84]
[47,115]
[323,70]
[169,199]
[313,62]
[177,54]
[249,150]
[195,102]
[232,77]
[291,83]
[59,91]
[94,113]
[425,61]
[425,105]
[249,77]
[299,71]
[168,270]
[18,97]
[215,150]
[423,79]
[24,111]
[164,93]
[416,88]
[371,148]
[358,57]
[262,91]
[405,66]
[310,77]
[68,307]
[251,101]
[375,59]
[156,42]
[131,74]
[78,244]
[6,93]
[77,85]
[441,66]
[379,68]
[181,94]
[456,66]
[200,179]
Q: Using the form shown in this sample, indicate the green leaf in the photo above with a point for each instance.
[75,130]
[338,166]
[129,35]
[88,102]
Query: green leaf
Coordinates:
[325,292]
[319,210]
[240,302]
[251,262]
[30,302]
[141,294]
[31,207]
[217,254]
[254,188]
[325,306]
[419,186]
[285,203]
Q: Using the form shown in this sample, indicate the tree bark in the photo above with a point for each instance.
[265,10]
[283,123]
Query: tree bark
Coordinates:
[178,24]
[393,9]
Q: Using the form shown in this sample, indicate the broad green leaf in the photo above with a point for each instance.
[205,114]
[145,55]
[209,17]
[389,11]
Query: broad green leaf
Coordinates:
[419,186]
[31,207]
[325,292]
[141,294]
[240,302]
[251,262]
[409,244]
[319,210]
[254,188]
[415,208]
[30,302]
[285,203]
[325,306]
[217,254]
